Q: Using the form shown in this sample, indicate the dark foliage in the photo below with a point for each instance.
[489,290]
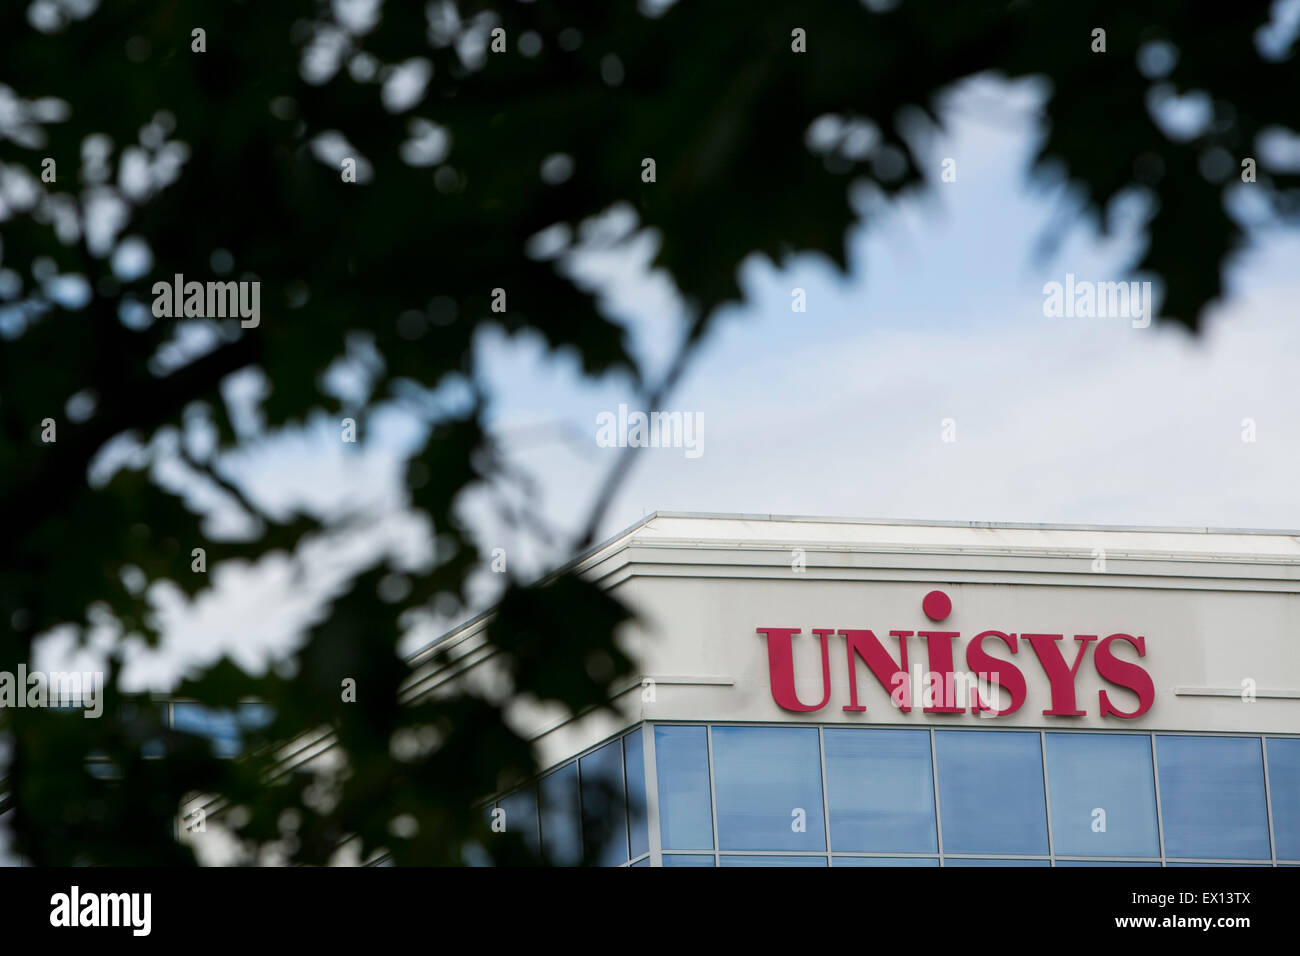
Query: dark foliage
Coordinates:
[408,257]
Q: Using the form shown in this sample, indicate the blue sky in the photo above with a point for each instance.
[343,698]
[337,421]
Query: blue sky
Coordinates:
[838,410]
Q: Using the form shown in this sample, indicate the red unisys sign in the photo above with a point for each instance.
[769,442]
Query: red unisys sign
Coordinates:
[893,673]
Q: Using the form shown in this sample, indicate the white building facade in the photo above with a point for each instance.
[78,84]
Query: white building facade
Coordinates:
[825,692]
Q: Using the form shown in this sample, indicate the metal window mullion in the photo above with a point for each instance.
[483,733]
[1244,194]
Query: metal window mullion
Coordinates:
[1047,796]
[1160,818]
[777,853]
[648,762]
[826,800]
[1224,860]
[713,802]
[627,812]
[1268,800]
[934,777]
[582,837]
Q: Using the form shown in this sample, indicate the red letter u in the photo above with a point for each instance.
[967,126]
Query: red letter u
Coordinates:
[780,664]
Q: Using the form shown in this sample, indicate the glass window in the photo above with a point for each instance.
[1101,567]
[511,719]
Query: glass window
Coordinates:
[645,862]
[1103,795]
[223,727]
[561,826]
[1212,797]
[880,790]
[219,727]
[604,809]
[634,764]
[1105,863]
[991,791]
[768,783]
[682,768]
[474,854]
[254,714]
[521,816]
[1284,792]
[687,859]
[1217,864]
[774,861]
[885,860]
[949,861]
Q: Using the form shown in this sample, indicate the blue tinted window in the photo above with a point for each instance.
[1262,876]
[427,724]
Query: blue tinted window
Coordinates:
[885,860]
[774,861]
[1212,797]
[254,714]
[223,727]
[991,791]
[1110,773]
[473,854]
[641,863]
[687,859]
[521,816]
[951,862]
[1102,863]
[682,769]
[880,790]
[768,786]
[634,764]
[1216,864]
[561,826]
[220,727]
[1284,791]
[604,808]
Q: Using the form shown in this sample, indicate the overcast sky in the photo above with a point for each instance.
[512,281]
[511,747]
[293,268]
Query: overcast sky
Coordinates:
[840,410]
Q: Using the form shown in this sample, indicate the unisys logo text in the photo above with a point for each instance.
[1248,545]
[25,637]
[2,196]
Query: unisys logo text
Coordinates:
[985,670]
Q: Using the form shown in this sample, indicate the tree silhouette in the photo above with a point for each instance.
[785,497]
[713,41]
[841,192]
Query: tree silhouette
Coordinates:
[397,177]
